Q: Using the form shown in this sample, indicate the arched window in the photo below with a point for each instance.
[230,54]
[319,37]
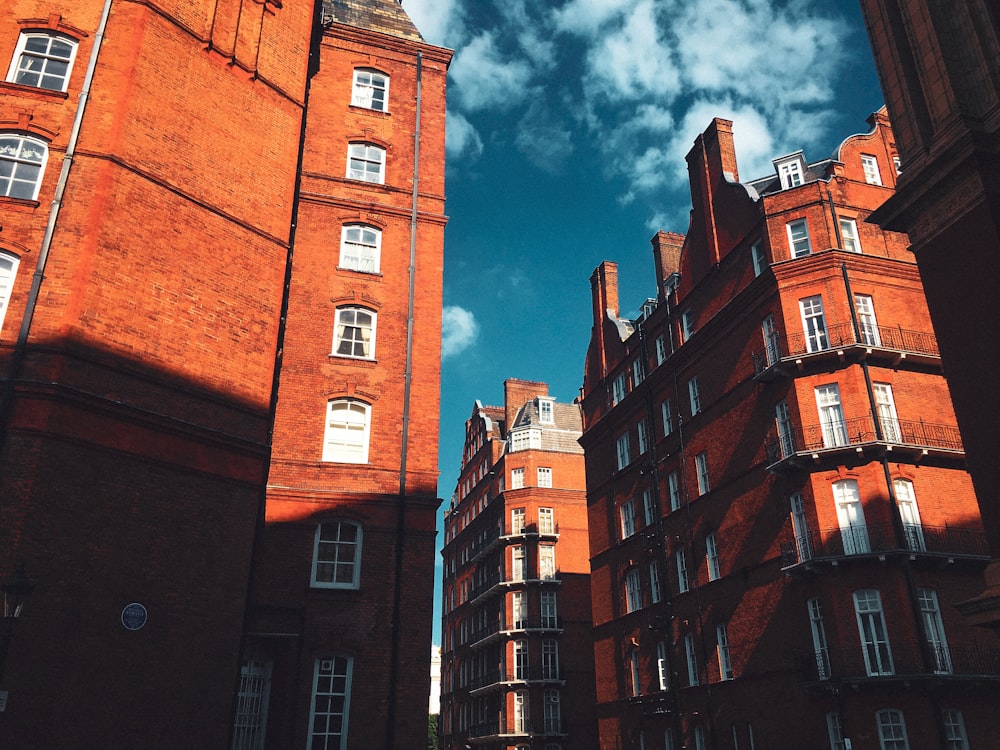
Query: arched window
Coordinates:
[337,555]
[8,268]
[22,163]
[354,333]
[348,423]
[360,248]
[43,60]
[366,162]
[371,89]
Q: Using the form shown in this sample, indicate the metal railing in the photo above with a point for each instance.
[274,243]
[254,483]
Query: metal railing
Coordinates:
[528,674]
[843,433]
[895,659]
[838,336]
[881,538]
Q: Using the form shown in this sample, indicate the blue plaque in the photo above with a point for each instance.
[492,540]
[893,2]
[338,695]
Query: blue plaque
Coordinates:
[134,616]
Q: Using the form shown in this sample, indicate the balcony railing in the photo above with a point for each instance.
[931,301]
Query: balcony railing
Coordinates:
[879,539]
[847,433]
[778,347]
[511,580]
[515,727]
[528,674]
[496,629]
[905,660]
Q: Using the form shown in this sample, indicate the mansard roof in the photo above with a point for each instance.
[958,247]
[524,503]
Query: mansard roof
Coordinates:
[385,16]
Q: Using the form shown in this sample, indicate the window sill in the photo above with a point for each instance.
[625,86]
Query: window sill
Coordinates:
[369,111]
[35,92]
[14,202]
[376,274]
[359,360]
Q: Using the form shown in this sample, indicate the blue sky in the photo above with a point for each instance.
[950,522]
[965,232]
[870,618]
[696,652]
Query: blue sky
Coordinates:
[568,123]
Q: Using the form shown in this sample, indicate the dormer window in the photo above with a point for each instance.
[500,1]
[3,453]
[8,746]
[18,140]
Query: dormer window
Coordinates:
[791,170]
[524,440]
[545,411]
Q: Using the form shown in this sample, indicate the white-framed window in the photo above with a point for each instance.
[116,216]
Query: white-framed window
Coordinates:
[821,649]
[680,560]
[687,325]
[250,720]
[618,388]
[798,238]
[638,371]
[654,582]
[546,411]
[870,166]
[366,162]
[370,90]
[691,656]
[662,668]
[712,557]
[674,490]
[867,323]
[772,345]
[519,610]
[849,235]
[517,478]
[517,520]
[337,555]
[835,731]
[648,509]
[783,423]
[354,333]
[937,644]
[22,163]
[348,425]
[524,439]
[897,165]
[694,395]
[43,60]
[667,414]
[547,562]
[885,407]
[552,720]
[758,258]
[624,450]
[518,563]
[643,434]
[546,520]
[814,324]
[800,528]
[831,415]
[550,614]
[871,627]
[520,660]
[790,172]
[668,739]
[661,349]
[701,469]
[361,248]
[724,654]
[8,269]
[891,730]
[633,590]
[954,730]
[909,513]
[329,708]
[550,659]
[520,712]
[633,660]
[544,476]
[851,517]
[627,512]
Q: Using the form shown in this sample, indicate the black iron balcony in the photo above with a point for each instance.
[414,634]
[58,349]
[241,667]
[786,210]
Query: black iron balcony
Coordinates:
[789,447]
[495,631]
[895,660]
[515,728]
[501,679]
[879,342]
[881,539]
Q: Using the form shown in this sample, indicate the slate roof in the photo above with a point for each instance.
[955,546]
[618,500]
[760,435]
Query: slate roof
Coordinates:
[819,170]
[385,16]
[563,435]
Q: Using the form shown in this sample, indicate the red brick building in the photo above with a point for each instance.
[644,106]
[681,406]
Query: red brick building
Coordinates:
[517,663]
[939,65]
[220,286]
[780,410]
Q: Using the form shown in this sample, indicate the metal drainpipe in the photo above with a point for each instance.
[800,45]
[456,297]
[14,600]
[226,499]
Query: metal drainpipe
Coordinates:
[397,593]
[36,281]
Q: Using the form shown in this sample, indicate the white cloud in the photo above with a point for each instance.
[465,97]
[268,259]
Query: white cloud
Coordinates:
[545,142]
[461,137]
[459,330]
[587,16]
[484,78]
[439,21]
